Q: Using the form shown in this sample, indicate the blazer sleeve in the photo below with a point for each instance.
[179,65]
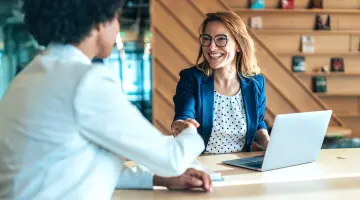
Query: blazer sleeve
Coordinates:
[106,118]
[184,99]
[261,104]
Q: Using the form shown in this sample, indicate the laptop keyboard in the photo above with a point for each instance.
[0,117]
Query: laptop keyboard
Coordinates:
[256,164]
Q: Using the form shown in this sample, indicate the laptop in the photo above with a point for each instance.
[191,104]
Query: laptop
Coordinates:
[295,139]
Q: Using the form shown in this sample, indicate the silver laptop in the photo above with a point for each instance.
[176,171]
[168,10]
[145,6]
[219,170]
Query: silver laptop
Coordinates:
[295,139]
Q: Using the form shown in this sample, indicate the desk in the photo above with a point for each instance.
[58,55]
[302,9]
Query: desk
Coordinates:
[335,175]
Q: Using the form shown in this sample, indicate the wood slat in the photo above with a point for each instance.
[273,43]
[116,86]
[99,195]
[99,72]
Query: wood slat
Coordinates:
[171,29]
[161,127]
[189,16]
[163,111]
[355,43]
[169,55]
[276,103]
[164,82]
[206,6]
[341,104]
[348,22]
[341,4]
[354,124]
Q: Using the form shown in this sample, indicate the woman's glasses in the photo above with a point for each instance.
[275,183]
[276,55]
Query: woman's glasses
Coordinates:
[220,40]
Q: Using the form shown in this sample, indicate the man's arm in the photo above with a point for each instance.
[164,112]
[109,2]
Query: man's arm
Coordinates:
[108,119]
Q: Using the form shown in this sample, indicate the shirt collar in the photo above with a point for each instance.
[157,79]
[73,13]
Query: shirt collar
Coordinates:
[66,52]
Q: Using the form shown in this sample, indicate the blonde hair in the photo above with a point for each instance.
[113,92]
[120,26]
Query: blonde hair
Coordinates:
[245,59]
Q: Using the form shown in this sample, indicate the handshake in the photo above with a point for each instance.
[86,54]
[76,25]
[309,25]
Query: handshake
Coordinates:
[179,125]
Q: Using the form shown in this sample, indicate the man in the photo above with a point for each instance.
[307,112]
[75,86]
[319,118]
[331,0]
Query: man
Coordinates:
[66,128]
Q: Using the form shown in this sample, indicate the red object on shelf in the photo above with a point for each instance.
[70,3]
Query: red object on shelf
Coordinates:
[287,4]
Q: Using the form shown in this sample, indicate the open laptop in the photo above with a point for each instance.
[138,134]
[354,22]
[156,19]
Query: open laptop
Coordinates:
[295,139]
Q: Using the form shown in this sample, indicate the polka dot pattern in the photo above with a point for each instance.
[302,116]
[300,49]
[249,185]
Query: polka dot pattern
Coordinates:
[229,125]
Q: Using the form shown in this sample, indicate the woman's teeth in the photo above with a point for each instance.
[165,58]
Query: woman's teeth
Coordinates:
[215,55]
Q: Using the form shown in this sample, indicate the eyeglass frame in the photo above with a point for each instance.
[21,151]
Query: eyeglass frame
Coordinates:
[213,39]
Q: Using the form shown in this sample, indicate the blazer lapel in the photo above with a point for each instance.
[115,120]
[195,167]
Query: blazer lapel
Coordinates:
[249,100]
[207,99]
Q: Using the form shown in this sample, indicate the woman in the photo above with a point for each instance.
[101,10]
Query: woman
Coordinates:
[66,128]
[225,93]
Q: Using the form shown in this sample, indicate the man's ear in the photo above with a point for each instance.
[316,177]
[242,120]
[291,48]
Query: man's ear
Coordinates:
[98,27]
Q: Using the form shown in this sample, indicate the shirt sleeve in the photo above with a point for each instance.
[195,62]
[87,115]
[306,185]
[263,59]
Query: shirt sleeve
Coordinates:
[184,99]
[261,105]
[137,177]
[108,119]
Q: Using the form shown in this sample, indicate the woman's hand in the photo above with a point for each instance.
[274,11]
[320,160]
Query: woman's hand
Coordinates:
[190,179]
[262,138]
[179,125]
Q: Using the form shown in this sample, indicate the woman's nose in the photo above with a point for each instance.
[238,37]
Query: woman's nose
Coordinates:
[212,45]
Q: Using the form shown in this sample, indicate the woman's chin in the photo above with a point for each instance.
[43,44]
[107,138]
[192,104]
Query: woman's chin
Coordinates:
[214,66]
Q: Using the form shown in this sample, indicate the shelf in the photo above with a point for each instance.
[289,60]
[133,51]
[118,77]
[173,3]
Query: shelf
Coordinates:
[308,32]
[337,94]
[348,115]
[333,54]
[326,74]
[290,11]
[338,132]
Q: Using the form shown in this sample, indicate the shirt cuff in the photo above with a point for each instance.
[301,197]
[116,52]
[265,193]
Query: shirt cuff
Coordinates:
[262,125]
[137,177]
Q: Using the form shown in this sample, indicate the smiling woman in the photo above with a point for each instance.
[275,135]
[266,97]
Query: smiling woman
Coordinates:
[225,93]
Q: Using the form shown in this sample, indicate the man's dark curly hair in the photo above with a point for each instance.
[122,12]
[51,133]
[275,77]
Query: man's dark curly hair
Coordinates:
[66,21]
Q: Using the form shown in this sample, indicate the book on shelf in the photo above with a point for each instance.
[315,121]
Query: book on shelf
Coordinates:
[307,44]
[256,22]
[298,64]
[337,64]
[287,4]
[322,22]
[317,4]
[319,83]
[257,4]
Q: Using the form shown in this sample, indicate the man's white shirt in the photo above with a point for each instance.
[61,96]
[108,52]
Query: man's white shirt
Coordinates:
[66,129]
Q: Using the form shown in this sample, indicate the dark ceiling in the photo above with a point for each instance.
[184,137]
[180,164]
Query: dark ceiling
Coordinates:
[135,13]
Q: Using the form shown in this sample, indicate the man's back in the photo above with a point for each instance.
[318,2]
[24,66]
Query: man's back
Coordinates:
[40,143]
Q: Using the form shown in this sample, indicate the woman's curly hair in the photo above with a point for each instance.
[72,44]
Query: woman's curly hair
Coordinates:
[66,21]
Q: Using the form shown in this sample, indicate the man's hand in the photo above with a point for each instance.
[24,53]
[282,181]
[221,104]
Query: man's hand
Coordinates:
[179,125]
[191,178]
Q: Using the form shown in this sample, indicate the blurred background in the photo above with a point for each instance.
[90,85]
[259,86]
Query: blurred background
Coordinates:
[130,58]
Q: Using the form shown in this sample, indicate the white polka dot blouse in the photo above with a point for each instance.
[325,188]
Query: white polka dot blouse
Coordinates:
[229,125]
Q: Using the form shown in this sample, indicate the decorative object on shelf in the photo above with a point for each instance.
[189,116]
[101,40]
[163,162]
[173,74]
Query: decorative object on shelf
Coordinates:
[322,22]
[319,83]
[287,4]
[337,64]
[256,22]
[257,4]
[317,4]
[298,64]
[324,68]
[307,44]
